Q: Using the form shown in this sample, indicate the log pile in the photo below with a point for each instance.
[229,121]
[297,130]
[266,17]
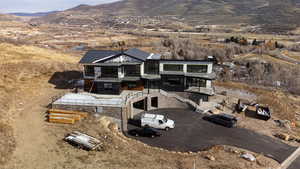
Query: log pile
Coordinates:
[65,116]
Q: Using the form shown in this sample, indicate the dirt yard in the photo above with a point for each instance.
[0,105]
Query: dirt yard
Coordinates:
[284,106]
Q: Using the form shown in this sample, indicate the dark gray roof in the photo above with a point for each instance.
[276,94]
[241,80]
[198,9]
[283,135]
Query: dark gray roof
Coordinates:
[94,55]
[139,54]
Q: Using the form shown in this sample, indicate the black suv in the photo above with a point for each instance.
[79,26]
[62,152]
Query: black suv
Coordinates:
[145,132]
[222,119]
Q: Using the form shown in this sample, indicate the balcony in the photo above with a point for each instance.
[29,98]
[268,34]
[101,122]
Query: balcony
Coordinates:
[202,90]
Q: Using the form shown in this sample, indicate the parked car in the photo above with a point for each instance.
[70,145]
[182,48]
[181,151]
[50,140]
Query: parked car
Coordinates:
[222,119]
[145,132]
[156,121]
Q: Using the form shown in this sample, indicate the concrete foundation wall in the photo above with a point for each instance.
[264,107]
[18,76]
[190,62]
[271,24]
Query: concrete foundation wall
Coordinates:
[167,102]
[114,112]
[193,96]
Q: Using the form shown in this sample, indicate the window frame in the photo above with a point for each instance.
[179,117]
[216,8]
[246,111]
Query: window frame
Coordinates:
[166,67]
[192,69]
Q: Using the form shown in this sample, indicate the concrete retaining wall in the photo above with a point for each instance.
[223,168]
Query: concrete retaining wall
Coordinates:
[114,112]
[192,96]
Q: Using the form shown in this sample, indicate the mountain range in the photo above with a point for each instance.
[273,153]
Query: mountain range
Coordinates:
[37,14]
[253,12]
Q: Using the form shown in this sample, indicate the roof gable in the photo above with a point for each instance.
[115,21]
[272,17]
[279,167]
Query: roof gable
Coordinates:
[97,56]
[122,59]
[94,56]
[137,53]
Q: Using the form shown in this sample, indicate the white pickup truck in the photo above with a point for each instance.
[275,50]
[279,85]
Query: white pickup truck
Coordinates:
[156,121]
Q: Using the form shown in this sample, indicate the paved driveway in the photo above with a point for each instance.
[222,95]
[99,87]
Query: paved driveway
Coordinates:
[295,164]
[192,133]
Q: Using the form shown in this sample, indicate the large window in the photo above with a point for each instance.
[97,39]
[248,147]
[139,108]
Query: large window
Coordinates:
[196,82]
[132,70]
[173,81]
[152,67]
[89,71]
[109,72]
[197,68]
[173,67]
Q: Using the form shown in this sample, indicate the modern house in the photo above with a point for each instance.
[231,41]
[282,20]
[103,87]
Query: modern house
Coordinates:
[111,72]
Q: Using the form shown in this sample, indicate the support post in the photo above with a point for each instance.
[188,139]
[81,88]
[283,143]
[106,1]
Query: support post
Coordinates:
[149,103]
[124,120]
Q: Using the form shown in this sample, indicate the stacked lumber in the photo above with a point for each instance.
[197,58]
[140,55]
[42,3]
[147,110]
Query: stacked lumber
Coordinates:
[82,140]
[65,116]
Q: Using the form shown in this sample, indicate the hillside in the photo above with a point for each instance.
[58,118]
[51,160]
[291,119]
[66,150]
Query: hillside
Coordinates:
[270,12]
[5,17]
[25,92]
[24,70]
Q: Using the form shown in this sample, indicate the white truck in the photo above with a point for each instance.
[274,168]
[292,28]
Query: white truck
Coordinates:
[156,121]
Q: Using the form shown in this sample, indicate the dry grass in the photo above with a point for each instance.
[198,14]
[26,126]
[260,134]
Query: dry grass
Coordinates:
[15,54]
[20,65]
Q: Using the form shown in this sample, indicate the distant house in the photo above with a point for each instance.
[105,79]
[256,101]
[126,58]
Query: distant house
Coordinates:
[111,72]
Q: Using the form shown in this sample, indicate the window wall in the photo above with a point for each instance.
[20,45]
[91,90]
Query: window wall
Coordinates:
[132,70]
[173,83]
[197,68]
[173,67]
[109,72]
[152,67]
[196,82]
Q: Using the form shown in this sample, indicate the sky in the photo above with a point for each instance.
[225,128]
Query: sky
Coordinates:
[9,6]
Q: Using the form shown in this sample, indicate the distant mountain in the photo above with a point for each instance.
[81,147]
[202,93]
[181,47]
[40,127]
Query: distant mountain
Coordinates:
[37,14]
[265,12]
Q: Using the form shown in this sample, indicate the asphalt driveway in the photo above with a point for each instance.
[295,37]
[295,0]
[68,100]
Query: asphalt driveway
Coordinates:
[295,164]
[192,133]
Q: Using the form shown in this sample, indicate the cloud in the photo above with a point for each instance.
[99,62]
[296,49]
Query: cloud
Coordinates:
[7,6]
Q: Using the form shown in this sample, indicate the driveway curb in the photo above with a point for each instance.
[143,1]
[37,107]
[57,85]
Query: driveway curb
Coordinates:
[290,159]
